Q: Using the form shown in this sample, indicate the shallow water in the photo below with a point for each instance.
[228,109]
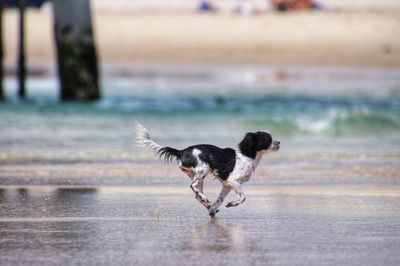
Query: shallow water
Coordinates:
[74,189]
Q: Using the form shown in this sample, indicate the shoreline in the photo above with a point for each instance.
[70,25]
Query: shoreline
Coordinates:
[323,38]
[160,68]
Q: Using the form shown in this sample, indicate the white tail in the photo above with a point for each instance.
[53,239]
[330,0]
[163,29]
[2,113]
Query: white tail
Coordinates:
[144,140]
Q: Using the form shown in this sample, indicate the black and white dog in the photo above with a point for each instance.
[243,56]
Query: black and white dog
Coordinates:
[231,167]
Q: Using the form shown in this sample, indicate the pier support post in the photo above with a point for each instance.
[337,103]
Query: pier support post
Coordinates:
[21,51]
[76,52]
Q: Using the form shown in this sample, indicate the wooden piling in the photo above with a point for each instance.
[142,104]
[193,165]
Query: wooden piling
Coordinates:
[76,52]
[21,51]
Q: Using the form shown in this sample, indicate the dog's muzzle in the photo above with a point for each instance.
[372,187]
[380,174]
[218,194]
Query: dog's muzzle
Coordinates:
[276,145]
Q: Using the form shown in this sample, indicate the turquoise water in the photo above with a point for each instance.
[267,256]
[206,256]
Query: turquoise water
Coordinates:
[290,103]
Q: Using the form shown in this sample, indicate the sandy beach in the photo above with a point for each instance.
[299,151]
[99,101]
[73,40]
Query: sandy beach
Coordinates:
[355,38]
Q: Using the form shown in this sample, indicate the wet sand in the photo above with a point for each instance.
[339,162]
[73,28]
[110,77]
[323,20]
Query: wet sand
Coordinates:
[332,204]
[116,225]
[308,208]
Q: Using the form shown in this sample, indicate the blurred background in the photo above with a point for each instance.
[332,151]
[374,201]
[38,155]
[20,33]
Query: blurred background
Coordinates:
[315,73]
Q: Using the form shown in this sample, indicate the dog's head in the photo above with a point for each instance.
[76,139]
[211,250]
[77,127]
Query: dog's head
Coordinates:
[260,141]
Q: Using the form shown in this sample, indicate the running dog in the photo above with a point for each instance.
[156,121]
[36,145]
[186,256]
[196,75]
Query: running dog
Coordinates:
[231,167]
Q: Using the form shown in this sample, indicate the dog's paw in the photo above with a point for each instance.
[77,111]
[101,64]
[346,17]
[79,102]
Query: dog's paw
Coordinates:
[231,204]
[213,213]
[205,200]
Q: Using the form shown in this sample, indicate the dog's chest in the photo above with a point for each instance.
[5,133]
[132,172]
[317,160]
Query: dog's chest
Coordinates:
[243,170]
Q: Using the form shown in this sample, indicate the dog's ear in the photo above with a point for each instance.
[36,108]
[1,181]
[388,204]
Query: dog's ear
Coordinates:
[248,145]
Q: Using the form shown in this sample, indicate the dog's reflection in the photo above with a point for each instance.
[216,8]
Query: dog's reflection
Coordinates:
[213,235]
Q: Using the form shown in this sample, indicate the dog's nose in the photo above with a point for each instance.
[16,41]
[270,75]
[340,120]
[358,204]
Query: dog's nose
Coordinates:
[278,142]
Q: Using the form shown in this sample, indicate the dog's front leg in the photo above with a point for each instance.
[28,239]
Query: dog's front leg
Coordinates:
[196,186]
[201,185]
[214,207]
[238,190]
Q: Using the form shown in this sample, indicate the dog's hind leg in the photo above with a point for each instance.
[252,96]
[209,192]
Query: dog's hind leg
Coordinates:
[214,207]
[238,190]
